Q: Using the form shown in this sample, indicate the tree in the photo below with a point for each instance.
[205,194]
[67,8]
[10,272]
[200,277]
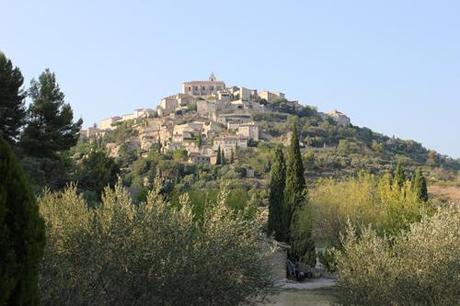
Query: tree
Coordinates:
[22,234]
[399,177]
[12,109]
[276,205]
[223,161]
[151,253]
[420,187]
[295,181]
[303,246]
[50,128]
[97,171]
[219,156]
[232,157]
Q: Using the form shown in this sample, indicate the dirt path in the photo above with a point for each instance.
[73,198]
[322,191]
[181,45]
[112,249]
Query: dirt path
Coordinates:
[310,292]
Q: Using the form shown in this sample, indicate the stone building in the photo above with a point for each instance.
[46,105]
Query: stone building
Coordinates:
[229,144]
[108,123]
[271,97]
[187,131]
[203,88]
[91,132]
[249,130]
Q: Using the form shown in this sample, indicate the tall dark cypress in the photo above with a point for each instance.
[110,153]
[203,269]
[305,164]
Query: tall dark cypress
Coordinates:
[303,246]
[420,186]
[295,181]
[12,109]
[276,206]
[399,176]
[22,234]
[219,157]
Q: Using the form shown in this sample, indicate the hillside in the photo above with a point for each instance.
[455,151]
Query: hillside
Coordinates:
[211,132]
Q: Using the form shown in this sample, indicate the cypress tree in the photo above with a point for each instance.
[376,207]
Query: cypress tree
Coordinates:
[232,157]
[222,157]
[12,109]
[276,197]
[219,157]
[22,234]
[295,181]
[420,186]
[399,177]
[303,247]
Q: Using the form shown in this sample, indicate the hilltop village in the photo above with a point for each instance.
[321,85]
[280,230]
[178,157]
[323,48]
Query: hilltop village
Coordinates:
[207,119]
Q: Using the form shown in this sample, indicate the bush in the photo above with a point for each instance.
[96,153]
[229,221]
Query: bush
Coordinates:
[22,235]
[361,200]
[148,254]
[421,266]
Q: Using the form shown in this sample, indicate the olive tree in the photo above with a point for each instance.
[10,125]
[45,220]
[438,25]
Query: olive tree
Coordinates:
[151,253]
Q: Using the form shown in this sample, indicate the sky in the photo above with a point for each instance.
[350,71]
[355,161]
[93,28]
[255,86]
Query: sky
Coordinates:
[391,65]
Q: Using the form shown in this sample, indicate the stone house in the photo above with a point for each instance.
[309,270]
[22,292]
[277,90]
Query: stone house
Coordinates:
[229,144]
[249,130]
[271,97]
[198,158]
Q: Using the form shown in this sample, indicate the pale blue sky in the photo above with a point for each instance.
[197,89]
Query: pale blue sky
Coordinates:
[393,66]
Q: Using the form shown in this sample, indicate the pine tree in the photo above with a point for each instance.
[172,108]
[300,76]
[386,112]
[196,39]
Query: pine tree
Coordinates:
[219,157]
[22,234]
[276,197]
[50,128]
[420,186]
[12,109]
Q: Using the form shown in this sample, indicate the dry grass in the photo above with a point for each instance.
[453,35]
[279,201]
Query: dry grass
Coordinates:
[445,193]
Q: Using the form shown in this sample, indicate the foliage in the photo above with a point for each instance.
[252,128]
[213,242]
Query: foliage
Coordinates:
[22,234]
[152,253]
[420,186]
[12,109]
[96,171]
[303,246]
[421,266]
[276,204]
[50,128]
[361,200]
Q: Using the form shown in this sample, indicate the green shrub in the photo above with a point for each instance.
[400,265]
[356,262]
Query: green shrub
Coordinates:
[420,266]
[148,254]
